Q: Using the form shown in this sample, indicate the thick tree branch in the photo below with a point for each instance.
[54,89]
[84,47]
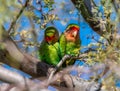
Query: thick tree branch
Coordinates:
[11,77]
[11,55]
[18,82]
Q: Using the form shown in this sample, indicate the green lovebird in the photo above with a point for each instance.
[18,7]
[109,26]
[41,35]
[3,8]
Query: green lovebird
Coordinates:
[49,51]
[70,42]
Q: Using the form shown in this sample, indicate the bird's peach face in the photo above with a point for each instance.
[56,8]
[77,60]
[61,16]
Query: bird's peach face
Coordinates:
[72,33]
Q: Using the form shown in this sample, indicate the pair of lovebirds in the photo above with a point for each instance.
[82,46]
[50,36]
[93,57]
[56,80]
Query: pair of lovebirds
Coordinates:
[53,47]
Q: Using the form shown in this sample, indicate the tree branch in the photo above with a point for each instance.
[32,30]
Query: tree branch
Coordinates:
[85,8]
[11,77]
[11,55]
[62,61]
[82,5]
[18,15]
[18,82]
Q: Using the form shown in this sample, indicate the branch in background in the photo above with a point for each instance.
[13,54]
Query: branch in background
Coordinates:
[18,15]
[89,11]
[17,41]
[90,50]
[116,4]
[113,66]
[98,40]
[11,55]
[85,9]
[12,77]
[18,81]
[20,2]
[9,87]
[41,6]
[33,32]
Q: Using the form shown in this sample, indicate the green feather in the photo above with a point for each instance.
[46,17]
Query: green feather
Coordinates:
[50,53]
[68,47]
[62,41]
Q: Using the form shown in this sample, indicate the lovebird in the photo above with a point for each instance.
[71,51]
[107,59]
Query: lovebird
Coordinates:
[70,42]
[49,51]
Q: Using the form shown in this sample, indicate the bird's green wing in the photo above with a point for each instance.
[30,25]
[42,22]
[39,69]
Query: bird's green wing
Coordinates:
[41,50]
[62,42]
[53,54]
[73,48]
[49,53]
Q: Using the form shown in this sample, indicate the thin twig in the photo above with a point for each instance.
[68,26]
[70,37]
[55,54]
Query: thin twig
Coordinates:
[17,41]
[18,15]
[20,2]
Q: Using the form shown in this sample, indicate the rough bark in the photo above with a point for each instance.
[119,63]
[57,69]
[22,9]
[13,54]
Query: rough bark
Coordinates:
[85,8]
[10,54]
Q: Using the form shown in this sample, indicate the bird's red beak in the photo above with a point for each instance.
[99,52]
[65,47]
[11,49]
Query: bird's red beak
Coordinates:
[75,33]
[50,39]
